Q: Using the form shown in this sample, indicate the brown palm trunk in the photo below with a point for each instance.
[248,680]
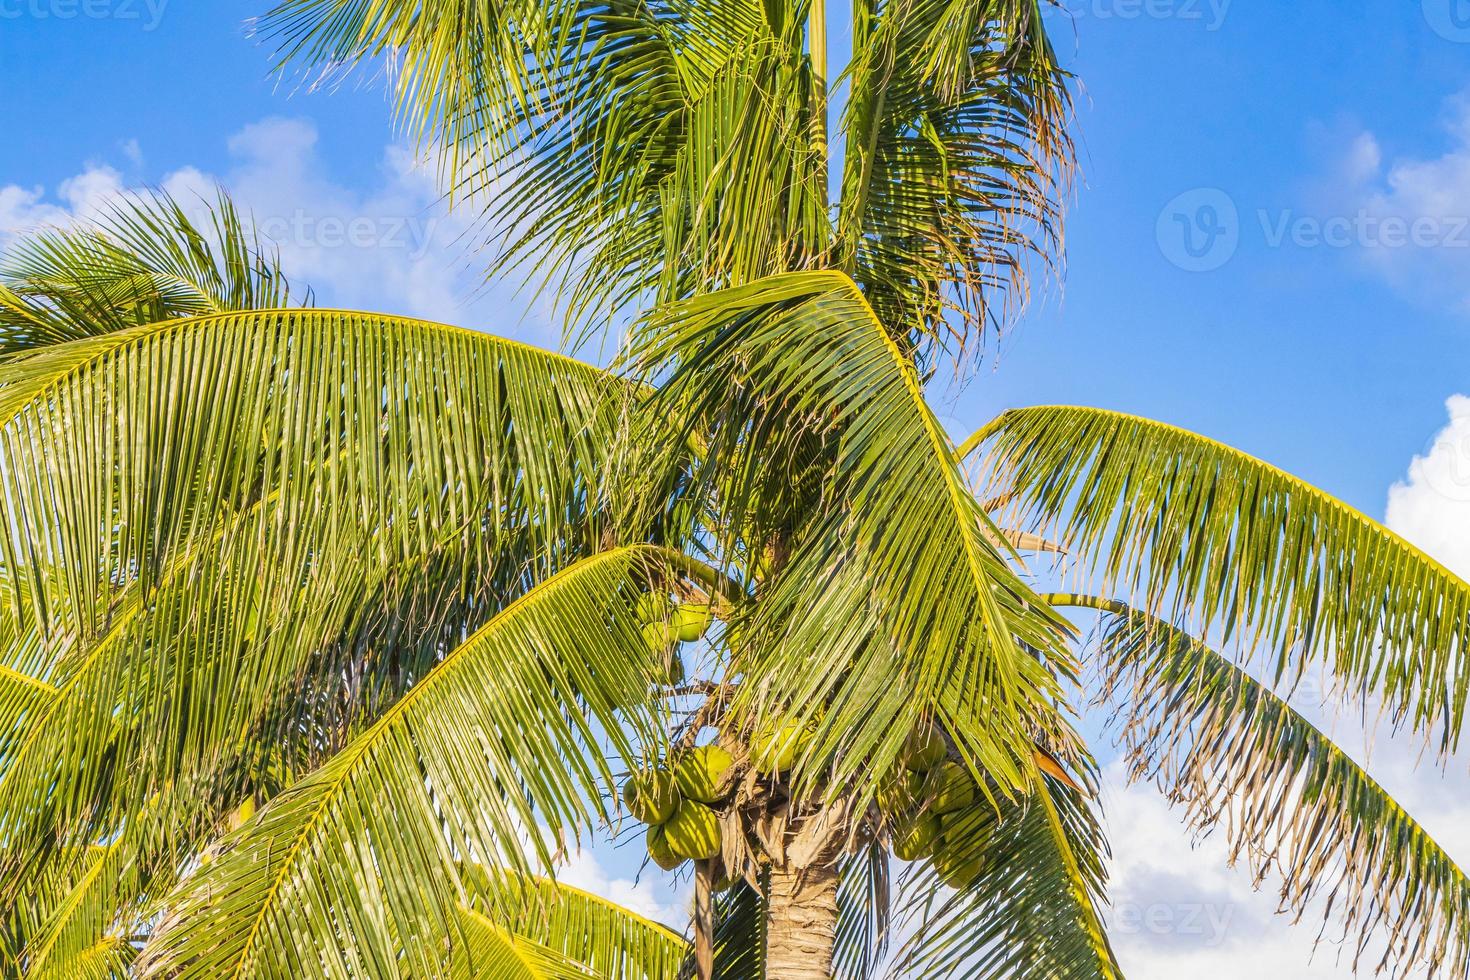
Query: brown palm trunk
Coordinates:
[801,923]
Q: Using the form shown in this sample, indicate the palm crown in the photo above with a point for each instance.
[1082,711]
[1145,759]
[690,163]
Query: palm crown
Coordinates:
[326,632]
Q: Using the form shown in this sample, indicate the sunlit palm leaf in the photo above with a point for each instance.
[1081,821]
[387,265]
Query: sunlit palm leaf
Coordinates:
[1236,756]
[358,860]
[144,260]
[1198,528]
[606,941]
[255,503]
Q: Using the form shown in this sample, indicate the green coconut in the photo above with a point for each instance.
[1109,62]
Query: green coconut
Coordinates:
[917,838]
[652,796]
[902,794]
[660,637]
[692,621]
[958,868]
[654,607]
[956,788]
[659,850]
[701,773]
[926,749]
[693,832]
[775,750]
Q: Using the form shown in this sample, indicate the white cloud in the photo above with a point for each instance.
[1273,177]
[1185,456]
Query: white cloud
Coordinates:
[1431,506]
[648,895]
[391,246]
[1411,215]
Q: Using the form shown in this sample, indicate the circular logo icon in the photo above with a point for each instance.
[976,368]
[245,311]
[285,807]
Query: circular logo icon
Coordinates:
[1450,19]
[1199,230]
[1445,465]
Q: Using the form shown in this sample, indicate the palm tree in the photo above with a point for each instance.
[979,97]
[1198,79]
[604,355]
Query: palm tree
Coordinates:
[327,632]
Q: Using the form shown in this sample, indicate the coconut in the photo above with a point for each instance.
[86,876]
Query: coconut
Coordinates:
[916,838]
[660,851]
[653,607]
[660,637]
[956,789]
[692,621]
[957,868]
[775,750]
[925,750]
[652,796]
[901,794]
[693,832]
[701,773]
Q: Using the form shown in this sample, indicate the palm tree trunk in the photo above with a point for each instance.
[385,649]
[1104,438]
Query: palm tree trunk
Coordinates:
[801,923]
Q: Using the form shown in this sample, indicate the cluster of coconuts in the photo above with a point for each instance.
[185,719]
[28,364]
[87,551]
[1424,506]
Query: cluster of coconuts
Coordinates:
[935,808]
[678,805]
[666,622]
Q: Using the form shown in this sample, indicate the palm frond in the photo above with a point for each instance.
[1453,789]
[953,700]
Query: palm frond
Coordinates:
[266,503]
[864,913]
[896,603]
[632,146]
[355,866]
[1197,528]
[604,939]
[144,260]
[957,158]
[1234,755]
[1032,909]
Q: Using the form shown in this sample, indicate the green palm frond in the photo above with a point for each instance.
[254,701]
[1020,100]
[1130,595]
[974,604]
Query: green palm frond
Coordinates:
[1195,527]
[144,260]
[1031,911]
[956,163]
[631,145]
[864,913]
[488,951]
[272,504]
[605,940]
[358,860]
[740,934]
[1234,755]
[895,604]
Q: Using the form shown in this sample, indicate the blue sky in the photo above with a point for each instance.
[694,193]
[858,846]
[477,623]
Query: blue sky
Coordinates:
[1269,243]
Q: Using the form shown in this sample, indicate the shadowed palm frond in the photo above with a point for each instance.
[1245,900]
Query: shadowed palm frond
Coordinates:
[1236,756]
[358,861]
[144,260]
[1197,528]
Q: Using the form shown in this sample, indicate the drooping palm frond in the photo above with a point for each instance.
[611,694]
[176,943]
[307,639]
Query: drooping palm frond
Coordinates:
[603,939]
[894,605]
[956,160]
[143,260]
[1031,911]
[1195,527]
[1234,755]
[356,865]
[265,504]
[740,934]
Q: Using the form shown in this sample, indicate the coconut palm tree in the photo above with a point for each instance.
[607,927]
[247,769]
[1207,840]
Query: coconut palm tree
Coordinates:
[327,633]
